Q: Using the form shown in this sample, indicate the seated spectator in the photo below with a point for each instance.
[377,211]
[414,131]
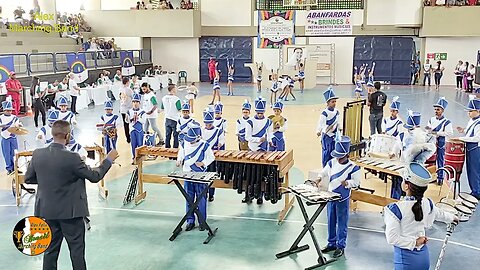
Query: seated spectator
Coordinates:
[170,6]
[189,4]
[18,16]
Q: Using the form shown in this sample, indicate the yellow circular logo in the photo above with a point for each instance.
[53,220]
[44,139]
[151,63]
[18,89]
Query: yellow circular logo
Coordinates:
[32,236]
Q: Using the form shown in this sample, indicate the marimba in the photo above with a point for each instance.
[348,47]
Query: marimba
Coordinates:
[18,179]
[244,171]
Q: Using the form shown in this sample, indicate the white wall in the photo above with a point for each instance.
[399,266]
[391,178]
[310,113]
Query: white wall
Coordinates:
[175,54]
[119,4]
[226,12]
[68,6]
[458,48]
[381,12]
[127,43]
[408,12]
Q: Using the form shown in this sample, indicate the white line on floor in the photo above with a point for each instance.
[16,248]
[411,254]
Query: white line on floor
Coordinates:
[256,218]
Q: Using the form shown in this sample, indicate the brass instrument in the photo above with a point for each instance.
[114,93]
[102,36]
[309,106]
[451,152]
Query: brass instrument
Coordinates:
[277,120]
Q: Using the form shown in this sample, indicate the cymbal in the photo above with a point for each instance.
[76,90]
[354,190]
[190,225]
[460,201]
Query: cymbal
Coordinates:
[18,130]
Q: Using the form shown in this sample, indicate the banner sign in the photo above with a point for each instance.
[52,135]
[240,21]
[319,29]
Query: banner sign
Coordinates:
[78,65]
[126,57]
[6,66]
[437,56]
[276,28]
[329,23]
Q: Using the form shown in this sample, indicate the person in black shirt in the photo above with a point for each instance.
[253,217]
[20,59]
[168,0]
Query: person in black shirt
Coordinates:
[376,100]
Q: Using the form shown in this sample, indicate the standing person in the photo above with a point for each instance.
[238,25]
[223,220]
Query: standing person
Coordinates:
[459,74]
[14,89]
[9,140]
[470,78]
[136,118]
[51,94]
[301,76]
[472,140]
[275,87]
[216,87]
[126,95]
[259,76]
[61,197]
[171,105]
[465,75]
[342,175]
[427,72]
[440,126]
[279,126]
[182,125]
[212,67]
[438,70]
[406,220]
[413,72]
[328,125]
[38,107]
[150,107]
[192,92]
[74,92]
[231,71]
[196,156]
[109,121]
[241,125]
[376,101]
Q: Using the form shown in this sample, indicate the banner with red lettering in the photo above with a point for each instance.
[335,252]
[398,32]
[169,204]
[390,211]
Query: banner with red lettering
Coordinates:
[329,23]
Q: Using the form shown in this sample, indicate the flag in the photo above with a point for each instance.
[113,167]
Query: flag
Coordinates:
[126,57]
[77,64]
[6,66]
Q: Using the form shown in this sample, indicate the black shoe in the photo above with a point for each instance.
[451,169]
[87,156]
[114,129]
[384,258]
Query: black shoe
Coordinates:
[246,200]
[19,172]
[202,228]
[260,201]
[211,199]
[76,113]
[189,227]
[160,143]
[328,249]
[10,172]
[338,253]
[211,103]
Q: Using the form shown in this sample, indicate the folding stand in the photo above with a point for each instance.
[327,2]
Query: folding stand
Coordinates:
[307,227]
[193,209]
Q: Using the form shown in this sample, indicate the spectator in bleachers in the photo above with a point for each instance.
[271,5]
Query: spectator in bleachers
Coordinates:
[18,16]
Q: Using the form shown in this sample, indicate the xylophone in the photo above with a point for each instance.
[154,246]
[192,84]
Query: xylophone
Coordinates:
[195,176]
[312,194]
[387,166]
[18,180]
[244,171]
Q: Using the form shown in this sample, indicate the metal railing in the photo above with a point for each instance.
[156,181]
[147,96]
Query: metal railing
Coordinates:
[312,5]
[36,63]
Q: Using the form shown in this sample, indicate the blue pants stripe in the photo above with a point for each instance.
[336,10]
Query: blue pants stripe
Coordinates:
[337,216]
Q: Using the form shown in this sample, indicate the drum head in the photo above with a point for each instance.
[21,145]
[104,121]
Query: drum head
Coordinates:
[467,197]
[463,210]
[447,208]
[470,205]
[450,202]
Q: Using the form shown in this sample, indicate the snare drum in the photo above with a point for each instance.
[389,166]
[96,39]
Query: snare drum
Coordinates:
[446,207]
[465,212]
[381,144]
[467,197]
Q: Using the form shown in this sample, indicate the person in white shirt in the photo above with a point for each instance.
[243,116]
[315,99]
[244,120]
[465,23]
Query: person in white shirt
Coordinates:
[459,71]
[427,72]
[150,107]
[126,95]
[470,78]
[192,92]
[171,105]
[74,92]
[406,220]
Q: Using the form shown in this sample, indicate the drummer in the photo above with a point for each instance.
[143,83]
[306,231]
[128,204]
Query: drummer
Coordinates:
[45,133]
[9,140]
[109,121]
[407,219]
[440,126]
[472,140]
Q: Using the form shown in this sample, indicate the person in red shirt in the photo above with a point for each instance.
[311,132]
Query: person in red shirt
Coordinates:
[211,69]
[14,87]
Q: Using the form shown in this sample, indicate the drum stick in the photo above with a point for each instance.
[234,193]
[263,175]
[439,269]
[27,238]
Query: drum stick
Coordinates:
[450,229]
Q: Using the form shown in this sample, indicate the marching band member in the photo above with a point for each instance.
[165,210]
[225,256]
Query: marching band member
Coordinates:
[440,126]
[258,135]
[52,89]
[259,76]
[370,84]
[45,133]
[342,175]
[472,140]
[231,71]
[65,114]
[136,118]
[75,147]
[278,127]
[328,125]
[62,89]
[242,125]
[107,122]
[215,137]
[9,140]
[220,122]
[196,155]
[134,84]
[216,86]
[301,76]
[183,122]
[192,92]
[275,87]
[407,219]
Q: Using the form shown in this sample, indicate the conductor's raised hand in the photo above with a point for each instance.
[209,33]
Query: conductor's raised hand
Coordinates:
[112,155]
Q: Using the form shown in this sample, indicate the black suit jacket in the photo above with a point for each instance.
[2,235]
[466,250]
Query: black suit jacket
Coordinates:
[60,175]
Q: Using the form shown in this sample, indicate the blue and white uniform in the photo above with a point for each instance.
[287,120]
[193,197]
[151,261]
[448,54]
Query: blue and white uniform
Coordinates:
[336,173]
[216,84]
[230,75]
[275,86]
[9,140]
[278,139]
[291,82]
[301,74]
[110,120]
[182,126]
[215,137]
[191,151]
[136,118]
[75,147]
[45,133]
[358,88]
[241,124]
[66,115]
[328,127]
[258,128]
[444,128]
[472,140]
[220,122]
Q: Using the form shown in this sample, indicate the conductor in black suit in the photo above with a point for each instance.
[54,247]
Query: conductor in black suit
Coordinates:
[61,196]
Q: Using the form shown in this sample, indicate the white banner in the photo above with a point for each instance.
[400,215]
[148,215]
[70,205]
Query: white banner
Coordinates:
[329,23]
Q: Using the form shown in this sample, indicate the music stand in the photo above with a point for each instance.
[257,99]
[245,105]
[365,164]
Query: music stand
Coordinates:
[194,208]
[309,221]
